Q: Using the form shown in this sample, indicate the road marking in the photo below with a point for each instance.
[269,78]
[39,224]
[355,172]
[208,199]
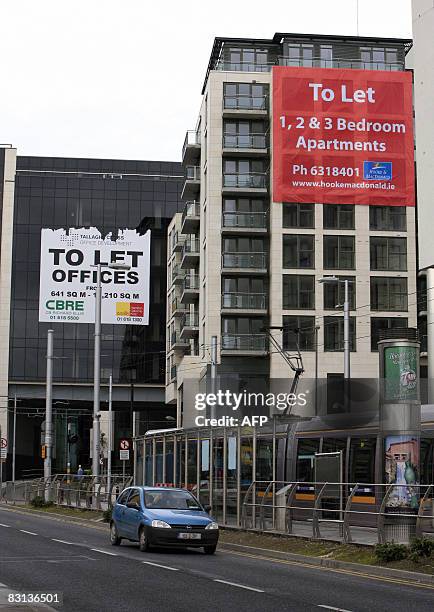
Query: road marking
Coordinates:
[28,532]
[332,608]
[3,525]
[420,585]
[173,569]
[104,552]
[62,541]
[241,586]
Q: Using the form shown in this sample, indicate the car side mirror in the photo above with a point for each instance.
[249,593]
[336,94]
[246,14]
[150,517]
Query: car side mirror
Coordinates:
[133,506]
[207,508]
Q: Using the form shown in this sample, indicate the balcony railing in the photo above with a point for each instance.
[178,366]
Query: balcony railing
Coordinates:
[191,247]
[192,138]
[244,260]
[192,173]
[243,66]
[314,62]
[191,281]
[190,319]
[191,209]
[253,180]
[173,372]
[177,306]
[177,273]
[244,342]
[254,219]
[177,241]
[246,301]
[245,141]
[175,338]
[245,102]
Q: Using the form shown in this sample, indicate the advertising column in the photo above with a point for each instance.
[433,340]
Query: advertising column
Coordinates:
[400,431]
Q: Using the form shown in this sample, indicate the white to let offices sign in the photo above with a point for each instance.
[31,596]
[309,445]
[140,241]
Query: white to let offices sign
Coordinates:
[68,276]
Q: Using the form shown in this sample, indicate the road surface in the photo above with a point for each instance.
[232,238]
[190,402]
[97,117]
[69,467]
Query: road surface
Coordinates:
[47,554]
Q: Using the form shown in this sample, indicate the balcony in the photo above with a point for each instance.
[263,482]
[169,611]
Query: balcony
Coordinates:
[244,344]
[314,62]
[251,144]
[177,242]
[177,275]
[254,182]
[189,325]
[191,187]
[249,222]
[190,217]
[190,288]
[177,343]
[190,254]
[229,66]
[173,372]
[177,308]
[255,263]
[191,147]
[254,303]
[245,106]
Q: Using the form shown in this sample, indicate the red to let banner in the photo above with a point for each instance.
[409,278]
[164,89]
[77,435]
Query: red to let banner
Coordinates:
[343,136]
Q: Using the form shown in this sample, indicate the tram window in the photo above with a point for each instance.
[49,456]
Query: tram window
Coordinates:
[159,461]
[306,450]
[191,463]
[264,459]
[426,460]
[362,460]
[333,445]
[246,451]
[168,477]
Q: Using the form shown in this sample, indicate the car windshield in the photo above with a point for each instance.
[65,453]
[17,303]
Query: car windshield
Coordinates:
[174,500]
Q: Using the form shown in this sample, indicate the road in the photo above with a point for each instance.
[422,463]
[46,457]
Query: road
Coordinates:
[47,554]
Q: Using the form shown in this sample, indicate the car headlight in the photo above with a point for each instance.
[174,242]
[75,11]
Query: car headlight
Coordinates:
[212,525]
[160,524]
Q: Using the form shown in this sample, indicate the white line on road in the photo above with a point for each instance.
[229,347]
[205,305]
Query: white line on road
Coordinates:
[28,532]
[332,608]
[3,525]
[241,586]
[62,541]
[104,552]
[173,569]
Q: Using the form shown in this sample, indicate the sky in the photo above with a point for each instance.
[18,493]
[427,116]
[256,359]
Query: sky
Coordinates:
[122,78]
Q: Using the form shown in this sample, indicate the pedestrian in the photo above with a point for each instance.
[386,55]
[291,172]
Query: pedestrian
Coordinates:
[80,471]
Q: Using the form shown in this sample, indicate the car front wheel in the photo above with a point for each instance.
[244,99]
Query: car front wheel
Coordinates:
[210,550]
[143,540]
[115,540]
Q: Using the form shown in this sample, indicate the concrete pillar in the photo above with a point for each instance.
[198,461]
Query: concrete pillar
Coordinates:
[430,331]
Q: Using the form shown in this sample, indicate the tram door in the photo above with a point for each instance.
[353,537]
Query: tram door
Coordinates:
[217,480]
[328,469]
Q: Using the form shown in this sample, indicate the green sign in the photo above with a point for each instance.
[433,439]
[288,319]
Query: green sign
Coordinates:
[400,373]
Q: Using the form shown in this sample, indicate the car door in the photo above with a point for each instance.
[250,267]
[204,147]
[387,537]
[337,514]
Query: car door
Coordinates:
[132,516]
[119,512]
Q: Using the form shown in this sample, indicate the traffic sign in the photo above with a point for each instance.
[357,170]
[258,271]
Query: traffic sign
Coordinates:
[3,453]
[124,455]
[3,443]
[124,444]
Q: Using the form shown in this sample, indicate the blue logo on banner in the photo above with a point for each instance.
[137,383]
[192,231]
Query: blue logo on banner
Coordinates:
[377,171]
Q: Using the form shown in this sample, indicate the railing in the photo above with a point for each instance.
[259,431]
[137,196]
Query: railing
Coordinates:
[192,138]
[173,372]
[191,209]
[190,319]
[191,281]
[248,301]
[244,260]
[175,338]
[245,102]
[86,492]
[177,272]
[253,180]
[245,141]
[177,306]
[192,173]
[348,512]
[243,66]
[314,62]
[244,342]
[238,219]
[177,240]
[191,246]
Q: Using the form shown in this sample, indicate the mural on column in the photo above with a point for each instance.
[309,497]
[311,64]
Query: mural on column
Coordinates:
[402,468]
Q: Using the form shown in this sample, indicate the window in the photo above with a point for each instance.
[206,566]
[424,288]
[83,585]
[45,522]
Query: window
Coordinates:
[299,330]
[122,499]
[306,450]
[338,216]
[244,134]
[387,218]
[298,215]
[388,293]
[299,55]
[298,251]
[379,58]
[362,460]
[326,56]
[249,96]
[334,334]
[247,59]
[244,292]
[298,291]
[339,252]
[380,323]
[134,497]
[243,333]
[244,173]
[244,212]
[334,293]
[388,253]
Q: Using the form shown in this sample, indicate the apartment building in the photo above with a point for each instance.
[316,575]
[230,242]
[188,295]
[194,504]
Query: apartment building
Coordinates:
[240,264]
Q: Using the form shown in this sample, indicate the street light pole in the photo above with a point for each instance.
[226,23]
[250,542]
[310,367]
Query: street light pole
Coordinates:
[110,433]
[97,376]
[49,410]
[346,331]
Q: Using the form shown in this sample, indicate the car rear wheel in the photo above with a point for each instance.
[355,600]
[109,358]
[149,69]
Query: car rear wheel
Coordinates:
[210,550]
[115,540]
[143,540]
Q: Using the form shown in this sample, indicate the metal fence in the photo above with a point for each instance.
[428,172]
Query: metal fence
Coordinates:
[85,492]
[346,512]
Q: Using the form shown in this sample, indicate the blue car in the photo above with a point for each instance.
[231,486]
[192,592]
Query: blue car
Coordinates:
[162,516]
